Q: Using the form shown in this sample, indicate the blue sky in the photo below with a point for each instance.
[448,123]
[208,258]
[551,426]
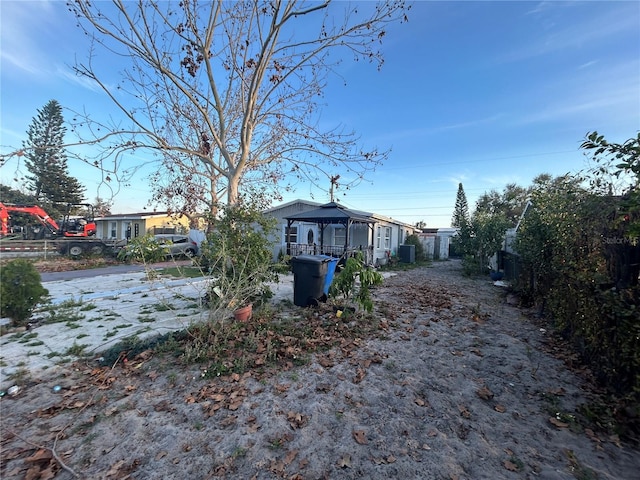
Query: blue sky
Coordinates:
[482,93]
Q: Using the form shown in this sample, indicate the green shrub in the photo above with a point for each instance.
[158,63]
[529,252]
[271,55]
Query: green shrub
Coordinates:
[238,253]
[415,240]
[344,284]
[20,290]
[145,249]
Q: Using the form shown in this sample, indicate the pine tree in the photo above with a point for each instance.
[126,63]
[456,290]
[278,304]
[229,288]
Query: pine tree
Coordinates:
[46,159]
[461,211]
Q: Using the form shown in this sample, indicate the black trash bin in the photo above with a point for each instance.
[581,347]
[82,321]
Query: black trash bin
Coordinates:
[309,273]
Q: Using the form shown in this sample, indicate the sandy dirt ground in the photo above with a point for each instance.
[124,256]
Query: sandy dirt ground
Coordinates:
[457,383]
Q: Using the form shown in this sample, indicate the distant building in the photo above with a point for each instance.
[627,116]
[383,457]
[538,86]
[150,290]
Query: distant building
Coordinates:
[132,225]
[306,227]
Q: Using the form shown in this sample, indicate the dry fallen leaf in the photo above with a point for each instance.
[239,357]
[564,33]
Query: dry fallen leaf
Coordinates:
[500,408]
[344,461]
[484,393]
[557,391]
[509,465]
[464,411]
[281,388]
[290,457]
[360,437]
[41,455]
[296,420]
[230,420]
[558,423]
[360,374]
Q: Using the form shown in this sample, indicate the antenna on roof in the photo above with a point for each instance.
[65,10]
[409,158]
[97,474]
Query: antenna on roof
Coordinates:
[334,184]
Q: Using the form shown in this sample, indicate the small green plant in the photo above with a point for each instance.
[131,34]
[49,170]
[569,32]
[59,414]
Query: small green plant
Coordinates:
[67,311]
[76,349]
[239,452]
[21,375]
[162,307]
[276,444]
[344,283]
[26,337]
[182,272]
[20,291]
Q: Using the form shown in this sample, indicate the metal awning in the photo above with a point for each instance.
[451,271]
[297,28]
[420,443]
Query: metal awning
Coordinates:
[332,214]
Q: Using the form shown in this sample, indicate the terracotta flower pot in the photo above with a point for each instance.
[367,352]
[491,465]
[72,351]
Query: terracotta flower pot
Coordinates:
[243,314]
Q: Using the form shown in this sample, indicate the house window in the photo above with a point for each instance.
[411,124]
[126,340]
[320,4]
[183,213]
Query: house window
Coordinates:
[387,238]
[310,237]
[339,236]
[113,229]
[378,238]
[291,234]
[127,230]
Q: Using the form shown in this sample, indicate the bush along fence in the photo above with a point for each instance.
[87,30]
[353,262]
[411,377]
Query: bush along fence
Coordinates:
[579,259]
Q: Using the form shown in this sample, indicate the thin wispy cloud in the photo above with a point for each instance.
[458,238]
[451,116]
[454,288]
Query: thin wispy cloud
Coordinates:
[82,81]
[433,130]
[20,49]
[587,65]
[616,94]
[578,34]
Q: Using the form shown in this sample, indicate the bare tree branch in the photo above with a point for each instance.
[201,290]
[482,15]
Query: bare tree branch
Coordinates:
[225,95]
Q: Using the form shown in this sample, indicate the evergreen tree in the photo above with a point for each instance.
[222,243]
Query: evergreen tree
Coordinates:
[9,195]
[461,211]
[46,159]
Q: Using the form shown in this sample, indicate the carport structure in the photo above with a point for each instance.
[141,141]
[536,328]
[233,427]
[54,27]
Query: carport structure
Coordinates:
[334,214]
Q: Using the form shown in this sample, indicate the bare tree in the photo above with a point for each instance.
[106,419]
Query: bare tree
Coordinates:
[228,94]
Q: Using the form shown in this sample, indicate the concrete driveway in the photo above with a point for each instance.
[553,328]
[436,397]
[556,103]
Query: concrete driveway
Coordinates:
[93,313]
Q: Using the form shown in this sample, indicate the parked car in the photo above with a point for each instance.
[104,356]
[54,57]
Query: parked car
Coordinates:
[178,245]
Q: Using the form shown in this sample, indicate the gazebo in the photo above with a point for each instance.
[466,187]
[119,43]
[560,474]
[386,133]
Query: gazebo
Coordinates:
[332,214]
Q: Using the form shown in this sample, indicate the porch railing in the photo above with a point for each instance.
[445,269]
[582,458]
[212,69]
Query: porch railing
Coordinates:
[337,251]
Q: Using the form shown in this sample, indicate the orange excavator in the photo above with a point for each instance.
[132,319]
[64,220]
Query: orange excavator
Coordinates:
[69,227]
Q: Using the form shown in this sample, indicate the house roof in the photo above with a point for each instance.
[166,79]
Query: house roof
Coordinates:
[293,202]
[133,216]
[383,218]
[332,213]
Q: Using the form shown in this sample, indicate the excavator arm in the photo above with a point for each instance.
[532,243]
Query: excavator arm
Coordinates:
[33,210]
